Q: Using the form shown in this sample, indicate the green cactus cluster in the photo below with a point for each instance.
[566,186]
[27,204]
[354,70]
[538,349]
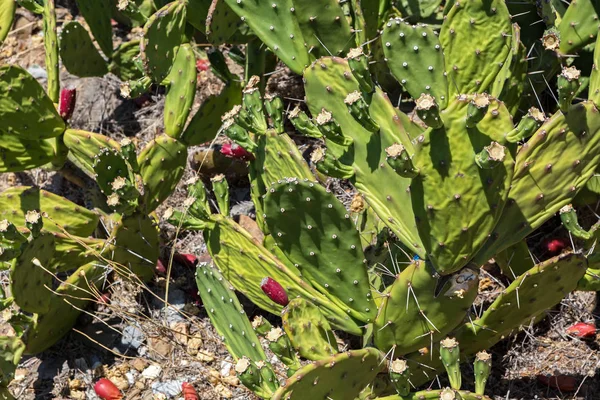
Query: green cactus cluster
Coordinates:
[462,169]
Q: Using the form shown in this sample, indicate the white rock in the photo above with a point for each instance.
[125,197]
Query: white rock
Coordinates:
[152,372]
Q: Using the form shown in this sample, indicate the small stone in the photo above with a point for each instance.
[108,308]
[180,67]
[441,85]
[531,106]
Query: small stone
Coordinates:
[223,391]
[193,345]
[152,372]
[205,356]
[168,388]
[181,330]
[160,345]
[133,337]
[139,364]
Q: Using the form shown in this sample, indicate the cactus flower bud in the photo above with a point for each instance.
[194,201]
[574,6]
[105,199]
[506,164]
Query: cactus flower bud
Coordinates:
[107,390]
[66,104]
[274,291]
[582,330]
[188,260]
[234,150]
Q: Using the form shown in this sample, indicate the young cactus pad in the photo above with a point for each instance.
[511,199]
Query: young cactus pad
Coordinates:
[308,330]
[227,315]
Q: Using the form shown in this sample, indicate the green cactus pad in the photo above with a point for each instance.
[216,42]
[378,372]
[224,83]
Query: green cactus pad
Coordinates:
[475,37]
[512,78]
[277,26]
[412,315]
[594,88]
[30,283]
[83,147]
[24,106]
[322,242]
[325,88]
[125,61]
[163,33]
[182,90]
[515,260]
[7,14]
[135,240]
[11,350]
[161,163]
[223,25]
[197,11]
[414,56]
[62,214]
[435,395]
[523,300]
[75,291]
[516,306]
[78,53]
[205,124]
[227,314]
[456,202]
[98,14]
[246,263]
[352,371]
[324,28]
[20,155]
[308,330]
[51,49]
[71,252]
[578,26]
[551,168]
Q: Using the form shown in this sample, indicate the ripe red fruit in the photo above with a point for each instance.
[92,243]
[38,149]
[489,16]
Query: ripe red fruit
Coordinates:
[234,150]
[188,260]
[66,103]
[582,330]
[104,298]
[160,268]
[274,291]
[107,390]
[202,65]
[188,391]
[555,246]
[564,383]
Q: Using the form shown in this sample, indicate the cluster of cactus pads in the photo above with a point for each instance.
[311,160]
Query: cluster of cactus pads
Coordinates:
[465,177]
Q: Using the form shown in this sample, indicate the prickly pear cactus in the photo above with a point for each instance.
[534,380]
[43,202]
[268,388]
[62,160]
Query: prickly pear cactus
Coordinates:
[78,54]
[308,330]
[98,14]
[181,92]
[415,312]
[325,246]
[339,377]
[25,108]
[62,215]
[7,14]
[227,315]
[163,33]
[30,279]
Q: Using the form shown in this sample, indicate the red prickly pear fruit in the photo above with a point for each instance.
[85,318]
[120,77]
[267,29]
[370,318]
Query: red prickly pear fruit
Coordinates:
[160,268]
[582,330]
[189,260]
[104,298]
[188,391]
[555,246]
[202,65]
[564,383]
[107,390]
[66,103]
[234,150]
[274,291]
